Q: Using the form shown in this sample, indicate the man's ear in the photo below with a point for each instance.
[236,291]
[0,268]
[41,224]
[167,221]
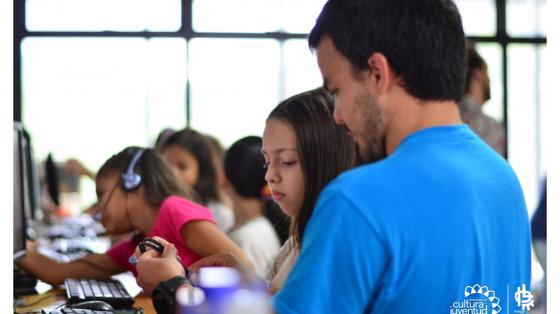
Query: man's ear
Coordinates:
[381,73]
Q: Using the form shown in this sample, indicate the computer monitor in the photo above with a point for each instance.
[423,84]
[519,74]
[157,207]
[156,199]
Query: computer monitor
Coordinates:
[51,175]
[25,173]
[32,176]
[19,197]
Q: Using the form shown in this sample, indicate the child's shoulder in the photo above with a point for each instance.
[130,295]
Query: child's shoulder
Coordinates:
[177,206]
[175,203]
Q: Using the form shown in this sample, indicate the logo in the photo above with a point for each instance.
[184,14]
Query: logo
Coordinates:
[478,300]
[524,298]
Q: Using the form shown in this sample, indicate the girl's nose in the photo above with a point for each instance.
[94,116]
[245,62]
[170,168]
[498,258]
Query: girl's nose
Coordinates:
[271,175]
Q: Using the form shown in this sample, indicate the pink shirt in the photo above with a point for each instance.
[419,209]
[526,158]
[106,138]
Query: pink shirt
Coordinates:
[173,214]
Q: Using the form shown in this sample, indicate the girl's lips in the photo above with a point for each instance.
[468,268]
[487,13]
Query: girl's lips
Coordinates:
[277,196]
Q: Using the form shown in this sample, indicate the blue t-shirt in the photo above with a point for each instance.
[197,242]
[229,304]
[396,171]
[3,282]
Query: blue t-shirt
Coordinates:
[437,227]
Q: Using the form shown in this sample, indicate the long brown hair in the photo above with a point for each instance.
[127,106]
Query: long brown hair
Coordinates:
[158,179]
[324,148]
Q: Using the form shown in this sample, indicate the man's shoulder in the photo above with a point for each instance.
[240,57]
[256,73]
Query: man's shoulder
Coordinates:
[365,187]
[373,174]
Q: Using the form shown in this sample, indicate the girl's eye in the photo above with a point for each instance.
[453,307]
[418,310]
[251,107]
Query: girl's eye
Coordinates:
[288,163]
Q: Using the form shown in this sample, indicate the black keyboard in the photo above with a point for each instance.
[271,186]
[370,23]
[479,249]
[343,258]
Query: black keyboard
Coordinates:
[67,310]
[108,290]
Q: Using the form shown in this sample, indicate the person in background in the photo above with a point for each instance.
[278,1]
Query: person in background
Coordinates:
[190,153]
[244,183]
[162,137]
[279,220]
[154,205]
[76,168]
[477,93]
[218,153]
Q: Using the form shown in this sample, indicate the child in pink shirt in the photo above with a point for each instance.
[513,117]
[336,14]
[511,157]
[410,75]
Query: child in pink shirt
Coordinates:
[137,191]
[173,214]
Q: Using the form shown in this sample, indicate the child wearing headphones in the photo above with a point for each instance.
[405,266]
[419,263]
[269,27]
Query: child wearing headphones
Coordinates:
[138,191]
[193,156]
[245,185]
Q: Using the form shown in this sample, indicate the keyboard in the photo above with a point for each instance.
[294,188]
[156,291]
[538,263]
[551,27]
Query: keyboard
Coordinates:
[67,310]
[109,290]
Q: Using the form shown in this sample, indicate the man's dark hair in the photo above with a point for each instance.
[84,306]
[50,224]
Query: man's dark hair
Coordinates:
[158,179]
[423,41]
[200,147]
[325,149]
[474,62]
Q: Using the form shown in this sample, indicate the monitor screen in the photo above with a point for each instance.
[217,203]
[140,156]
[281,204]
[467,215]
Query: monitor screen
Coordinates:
[32,177]
[26,178]
[19,198]
[51,174]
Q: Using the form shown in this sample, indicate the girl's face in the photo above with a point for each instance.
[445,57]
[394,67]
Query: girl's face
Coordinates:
[111,204]
[284,174]
[184,163]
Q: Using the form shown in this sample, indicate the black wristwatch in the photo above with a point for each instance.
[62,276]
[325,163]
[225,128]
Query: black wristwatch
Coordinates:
[163,296]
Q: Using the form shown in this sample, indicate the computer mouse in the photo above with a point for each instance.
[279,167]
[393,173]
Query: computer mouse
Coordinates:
[92,305]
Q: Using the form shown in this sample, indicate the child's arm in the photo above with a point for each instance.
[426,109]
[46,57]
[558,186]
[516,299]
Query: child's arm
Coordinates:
[97,266]
[205,239]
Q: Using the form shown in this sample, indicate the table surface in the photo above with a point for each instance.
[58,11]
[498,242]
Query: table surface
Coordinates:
[56,297]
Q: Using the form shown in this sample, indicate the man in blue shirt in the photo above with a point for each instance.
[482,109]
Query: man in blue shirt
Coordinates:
[434,221]
[439,223]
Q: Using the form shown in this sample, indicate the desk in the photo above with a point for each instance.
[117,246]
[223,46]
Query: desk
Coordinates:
[56,297]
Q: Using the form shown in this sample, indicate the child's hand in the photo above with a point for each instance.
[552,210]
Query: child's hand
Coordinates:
[153,253]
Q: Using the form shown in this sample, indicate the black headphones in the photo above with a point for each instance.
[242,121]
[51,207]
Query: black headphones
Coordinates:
[130,179]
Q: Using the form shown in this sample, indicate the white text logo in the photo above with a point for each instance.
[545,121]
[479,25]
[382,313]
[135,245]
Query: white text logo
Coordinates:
[524,298]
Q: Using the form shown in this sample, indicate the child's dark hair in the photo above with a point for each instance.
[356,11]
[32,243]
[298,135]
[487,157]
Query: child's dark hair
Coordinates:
[158,179]
[200,147]
[243,167]
[325,149]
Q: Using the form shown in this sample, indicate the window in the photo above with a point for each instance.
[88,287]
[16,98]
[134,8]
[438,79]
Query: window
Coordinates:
[479,17]
[91,97]
[121,70]
[103,15]
[234,85]
[525,118]
[526,17]
[255,16]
